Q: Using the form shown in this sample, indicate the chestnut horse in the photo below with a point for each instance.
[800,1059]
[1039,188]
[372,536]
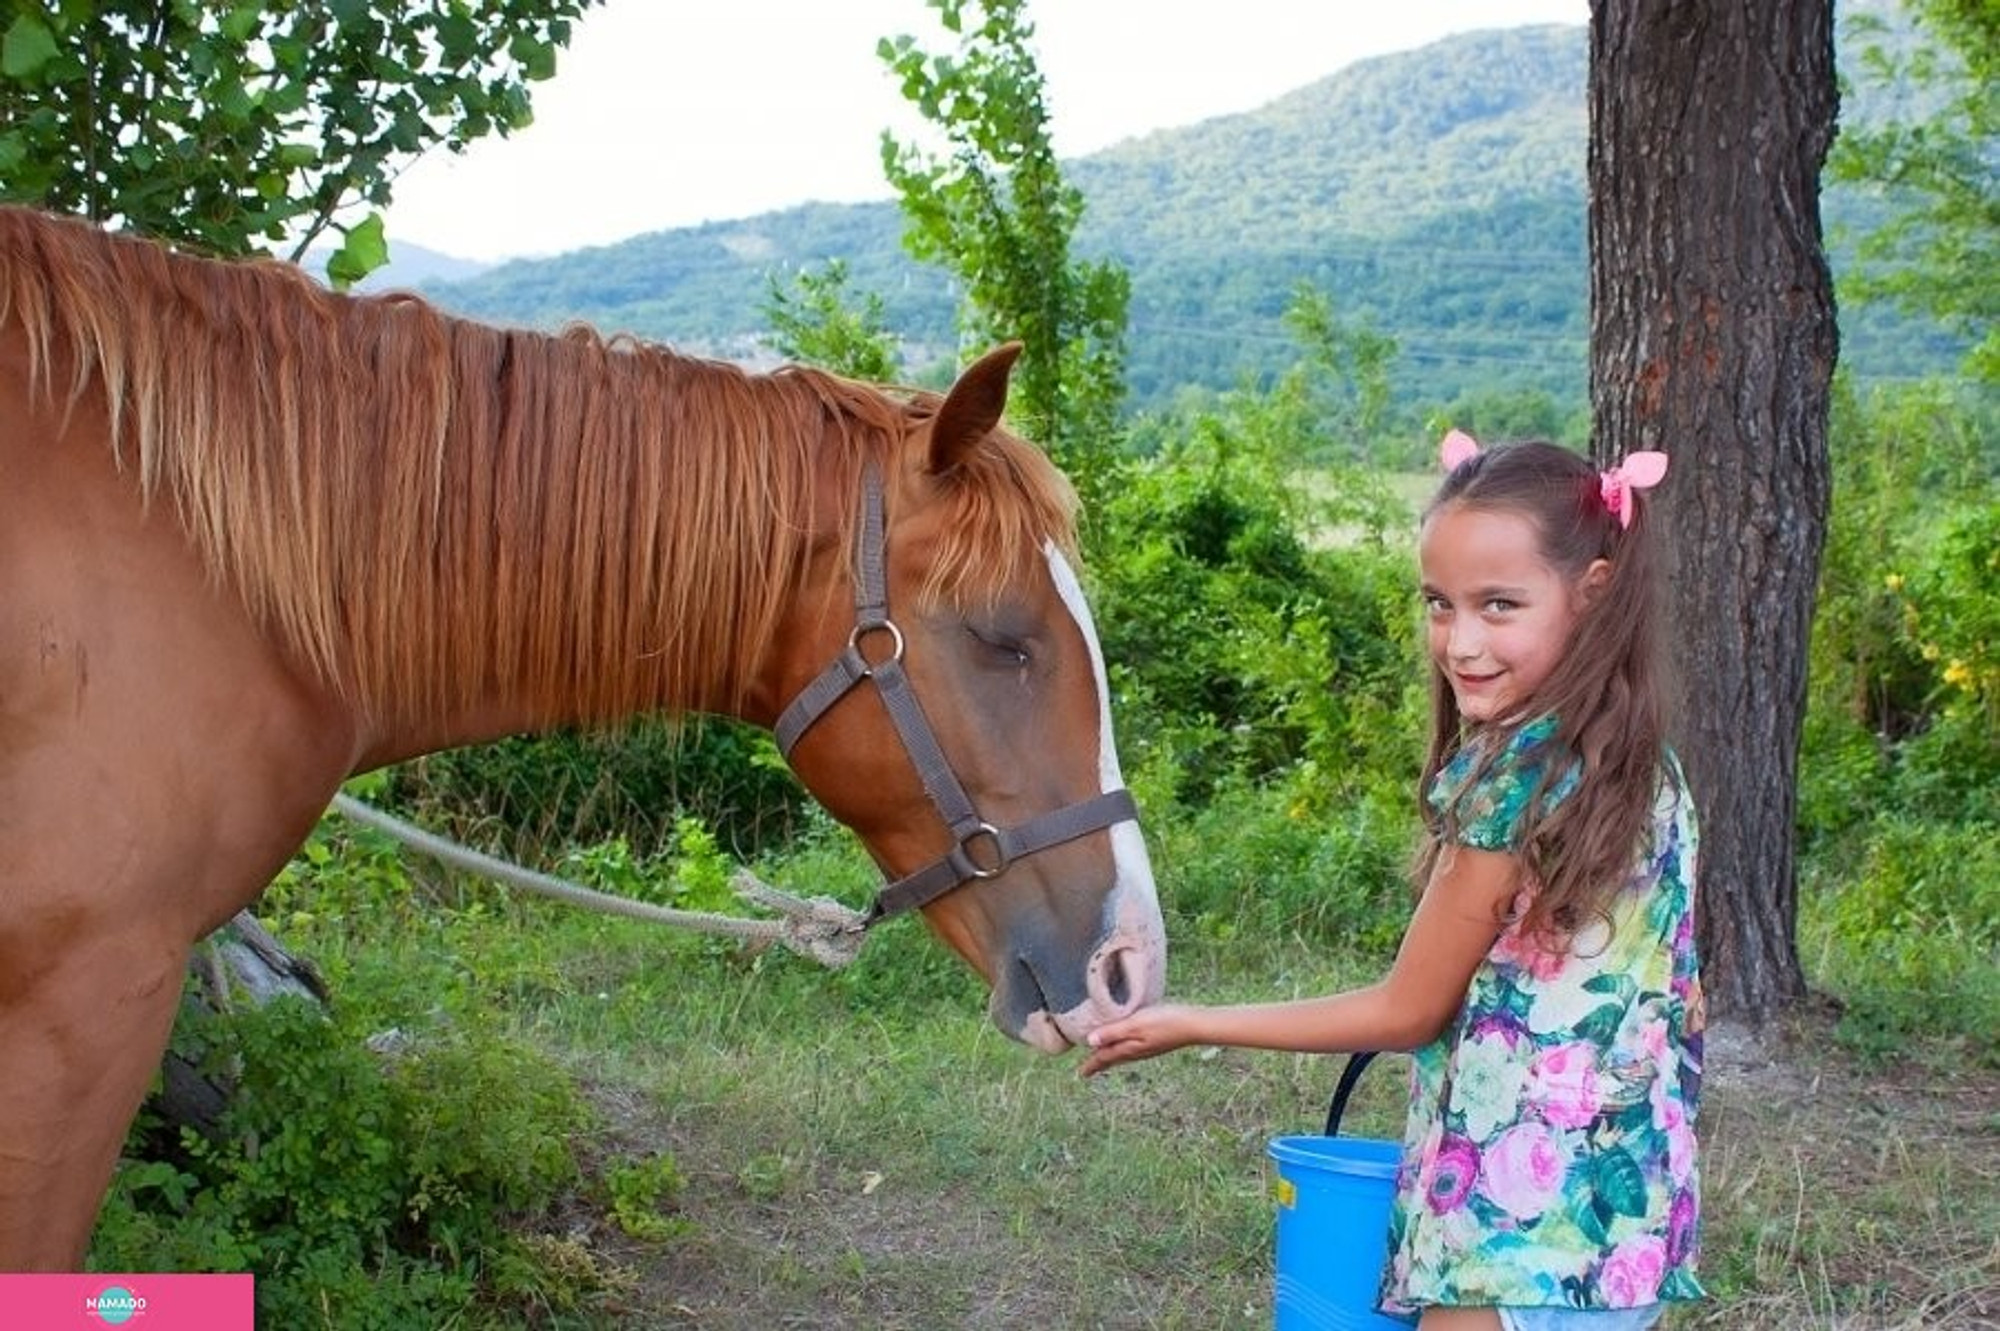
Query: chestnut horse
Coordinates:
[256,537]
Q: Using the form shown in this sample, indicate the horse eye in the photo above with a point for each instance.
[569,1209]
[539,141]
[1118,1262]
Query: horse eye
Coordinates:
[1013,652]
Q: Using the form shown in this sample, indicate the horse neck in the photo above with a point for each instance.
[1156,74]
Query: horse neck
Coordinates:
[614,532]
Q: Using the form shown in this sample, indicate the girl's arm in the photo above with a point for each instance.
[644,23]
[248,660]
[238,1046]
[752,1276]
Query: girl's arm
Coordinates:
[1454,926]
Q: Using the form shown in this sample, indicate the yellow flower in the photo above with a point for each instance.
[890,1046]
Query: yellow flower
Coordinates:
[1931,651]
[1894,582]
[1958,673]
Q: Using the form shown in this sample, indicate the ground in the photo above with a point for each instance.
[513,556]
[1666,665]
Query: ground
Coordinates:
[1840,1193]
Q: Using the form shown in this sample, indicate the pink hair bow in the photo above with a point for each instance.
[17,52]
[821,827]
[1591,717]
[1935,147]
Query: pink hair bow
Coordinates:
[1457,447]
[1639,471]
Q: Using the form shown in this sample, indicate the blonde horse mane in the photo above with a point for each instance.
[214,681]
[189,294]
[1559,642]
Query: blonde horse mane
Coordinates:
[426,510]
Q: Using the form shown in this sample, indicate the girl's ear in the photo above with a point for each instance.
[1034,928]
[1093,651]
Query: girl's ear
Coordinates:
[1593,582]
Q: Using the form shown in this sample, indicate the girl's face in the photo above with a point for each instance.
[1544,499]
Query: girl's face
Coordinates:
[1500,615]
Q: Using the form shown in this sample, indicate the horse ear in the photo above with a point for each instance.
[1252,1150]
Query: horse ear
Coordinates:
[972,408]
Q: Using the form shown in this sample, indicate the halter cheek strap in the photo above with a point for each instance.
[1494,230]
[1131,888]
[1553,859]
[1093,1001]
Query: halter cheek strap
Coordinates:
[980,849]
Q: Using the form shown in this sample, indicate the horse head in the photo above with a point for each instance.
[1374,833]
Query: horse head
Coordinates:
[963,727]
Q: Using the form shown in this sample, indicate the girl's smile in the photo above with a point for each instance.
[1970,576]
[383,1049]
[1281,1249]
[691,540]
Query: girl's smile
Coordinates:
[1500,616]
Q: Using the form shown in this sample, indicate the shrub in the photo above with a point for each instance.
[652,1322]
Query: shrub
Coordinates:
[534,791]
[1265,861]
[1909,940]
[364,1189]
[1900,767]
[1233,642]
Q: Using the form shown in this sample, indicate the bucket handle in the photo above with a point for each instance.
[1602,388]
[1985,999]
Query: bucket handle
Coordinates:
[1357,1063]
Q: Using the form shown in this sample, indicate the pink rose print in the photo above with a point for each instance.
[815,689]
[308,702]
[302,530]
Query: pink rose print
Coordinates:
[1510,949]
[1631,1275]
[1562,1082]
[1452,1176]
[1522,1171]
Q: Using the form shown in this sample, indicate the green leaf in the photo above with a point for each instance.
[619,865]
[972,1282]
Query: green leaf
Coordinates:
[1592,1220]
[1602,1023]
[365,249]
[241,21]
[27,46]
[234,101]
[1619,1182]
[538,59]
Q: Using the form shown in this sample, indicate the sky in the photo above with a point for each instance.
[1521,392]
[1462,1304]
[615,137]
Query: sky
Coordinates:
[670,113]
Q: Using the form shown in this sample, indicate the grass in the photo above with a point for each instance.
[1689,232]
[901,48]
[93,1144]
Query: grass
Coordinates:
[775,1146]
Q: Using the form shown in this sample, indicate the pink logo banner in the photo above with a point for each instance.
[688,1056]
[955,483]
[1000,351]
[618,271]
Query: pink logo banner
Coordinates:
[141,1302]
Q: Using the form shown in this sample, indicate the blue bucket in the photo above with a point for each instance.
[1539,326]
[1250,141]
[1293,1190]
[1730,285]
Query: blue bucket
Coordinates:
[1333,1196]
[1333,1231]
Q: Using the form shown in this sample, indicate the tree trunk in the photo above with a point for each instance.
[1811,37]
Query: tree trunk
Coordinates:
[239,962]
[1713,339]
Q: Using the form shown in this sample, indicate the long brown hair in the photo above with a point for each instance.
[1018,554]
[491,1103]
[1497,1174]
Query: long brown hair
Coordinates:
[1607,690]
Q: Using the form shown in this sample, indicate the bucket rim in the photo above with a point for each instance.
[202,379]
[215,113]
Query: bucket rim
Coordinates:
[1364,1157]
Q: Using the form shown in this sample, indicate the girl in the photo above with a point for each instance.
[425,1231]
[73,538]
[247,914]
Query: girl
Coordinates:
[1547,983]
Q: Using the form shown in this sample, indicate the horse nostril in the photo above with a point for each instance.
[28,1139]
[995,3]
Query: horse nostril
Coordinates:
[1117,980]
[1115,984]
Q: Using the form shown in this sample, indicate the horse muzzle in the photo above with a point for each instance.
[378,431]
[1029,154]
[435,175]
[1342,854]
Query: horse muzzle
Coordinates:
[1050,1003]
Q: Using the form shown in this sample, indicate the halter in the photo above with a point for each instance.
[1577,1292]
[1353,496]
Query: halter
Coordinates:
[1002,846]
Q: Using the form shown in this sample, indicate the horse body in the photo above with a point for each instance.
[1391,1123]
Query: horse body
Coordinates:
[157,765]
[255,538]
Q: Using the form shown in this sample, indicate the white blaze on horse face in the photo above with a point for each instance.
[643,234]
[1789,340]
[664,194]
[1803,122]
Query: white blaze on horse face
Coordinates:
[1136,915]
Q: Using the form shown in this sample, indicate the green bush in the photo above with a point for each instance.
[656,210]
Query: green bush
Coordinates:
[535,791]
[1264,860]
[1925,880]
[362,1189]
[1233,642]
[1906,464]
[1909,939]
[1899,795]
[1950,611]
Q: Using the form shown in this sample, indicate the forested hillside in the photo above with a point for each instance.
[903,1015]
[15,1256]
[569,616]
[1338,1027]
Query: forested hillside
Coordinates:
[1437,195]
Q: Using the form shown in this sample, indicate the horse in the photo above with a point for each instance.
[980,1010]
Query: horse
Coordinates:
[257,537]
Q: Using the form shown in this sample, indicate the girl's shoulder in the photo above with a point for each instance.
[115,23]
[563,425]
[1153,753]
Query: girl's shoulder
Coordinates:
[1488,789]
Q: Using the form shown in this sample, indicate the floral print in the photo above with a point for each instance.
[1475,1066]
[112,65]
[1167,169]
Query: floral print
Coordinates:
[1549,1154]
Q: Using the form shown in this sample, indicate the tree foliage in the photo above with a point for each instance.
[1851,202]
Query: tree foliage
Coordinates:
[236,127]
[817,320]
[1937,255]
[998,212]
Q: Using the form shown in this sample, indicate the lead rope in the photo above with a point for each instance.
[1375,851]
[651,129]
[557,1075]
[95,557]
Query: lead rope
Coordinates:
[816,927]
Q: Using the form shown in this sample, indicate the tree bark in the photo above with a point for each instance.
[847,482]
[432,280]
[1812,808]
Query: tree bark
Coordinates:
[1713,339]
[238,962]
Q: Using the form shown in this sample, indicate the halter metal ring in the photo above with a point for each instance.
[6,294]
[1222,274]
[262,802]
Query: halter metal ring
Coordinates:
[991,833]
[868,626]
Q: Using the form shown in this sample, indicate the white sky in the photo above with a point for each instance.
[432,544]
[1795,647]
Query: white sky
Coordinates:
[667,113]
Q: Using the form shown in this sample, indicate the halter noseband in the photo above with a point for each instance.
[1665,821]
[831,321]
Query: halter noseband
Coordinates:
[959,865]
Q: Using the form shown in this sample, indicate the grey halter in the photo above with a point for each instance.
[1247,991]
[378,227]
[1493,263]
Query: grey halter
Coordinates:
[1001,846]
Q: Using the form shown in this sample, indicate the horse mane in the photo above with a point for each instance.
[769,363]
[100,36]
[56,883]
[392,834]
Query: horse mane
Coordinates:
[425,510]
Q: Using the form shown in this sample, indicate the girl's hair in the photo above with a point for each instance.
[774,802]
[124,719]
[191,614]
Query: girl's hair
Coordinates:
[1606,691]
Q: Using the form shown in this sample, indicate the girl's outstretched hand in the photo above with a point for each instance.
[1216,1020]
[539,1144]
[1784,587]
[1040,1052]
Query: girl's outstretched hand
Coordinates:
[1145,1034]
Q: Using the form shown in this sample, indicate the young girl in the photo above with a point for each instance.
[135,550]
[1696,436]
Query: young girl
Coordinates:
[1547,984]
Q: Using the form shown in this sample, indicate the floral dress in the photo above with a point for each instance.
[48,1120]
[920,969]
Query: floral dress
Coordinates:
[1549,1155]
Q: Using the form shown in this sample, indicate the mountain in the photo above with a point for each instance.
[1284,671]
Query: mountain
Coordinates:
[409,265]
[1437,194]
[413,265]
